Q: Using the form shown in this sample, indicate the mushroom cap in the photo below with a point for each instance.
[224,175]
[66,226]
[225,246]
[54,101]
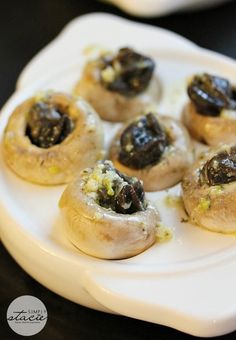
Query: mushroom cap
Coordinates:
[111,105]
[60,163]
[207,129]
[173,163]
[211,207]
[103,233]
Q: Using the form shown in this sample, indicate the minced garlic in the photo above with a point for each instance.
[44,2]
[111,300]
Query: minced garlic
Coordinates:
[173,201]
[42,95]
[163,233]
[129,147]
[228,114]
[98,180]
[108,74]
[216,190]
[204,204]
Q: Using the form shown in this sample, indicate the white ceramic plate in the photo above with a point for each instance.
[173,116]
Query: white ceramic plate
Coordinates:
[150,8]
[96,29]
[187,283]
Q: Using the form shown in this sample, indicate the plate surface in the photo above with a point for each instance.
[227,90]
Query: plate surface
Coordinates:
[176,283]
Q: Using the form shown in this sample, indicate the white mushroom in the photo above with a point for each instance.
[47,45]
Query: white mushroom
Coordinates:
[100,231]
[61,162]
[112,105]
[210,130]
[209,190]
[169,169]
[210,115]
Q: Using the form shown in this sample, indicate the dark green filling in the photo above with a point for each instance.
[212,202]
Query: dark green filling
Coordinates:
[142,143]
[220,169]
[47,125]
[211,94]
[135,72]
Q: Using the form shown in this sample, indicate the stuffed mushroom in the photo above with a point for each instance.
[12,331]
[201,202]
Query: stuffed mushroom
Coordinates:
[49,138]
[210,115]
[118,85]
[107,214]
[209,190]
[157,150]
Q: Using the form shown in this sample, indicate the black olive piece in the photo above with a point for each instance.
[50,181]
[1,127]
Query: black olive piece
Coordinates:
[134,75]
[210,94]
[142,143]
[220,169]
[127,200]
[47,125]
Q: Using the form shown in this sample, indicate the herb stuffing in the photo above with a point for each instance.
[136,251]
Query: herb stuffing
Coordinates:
[114,190]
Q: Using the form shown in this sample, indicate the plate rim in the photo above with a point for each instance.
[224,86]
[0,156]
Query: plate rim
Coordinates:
[86,280]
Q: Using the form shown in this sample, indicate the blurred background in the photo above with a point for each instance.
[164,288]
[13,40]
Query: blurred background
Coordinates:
[25,28]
